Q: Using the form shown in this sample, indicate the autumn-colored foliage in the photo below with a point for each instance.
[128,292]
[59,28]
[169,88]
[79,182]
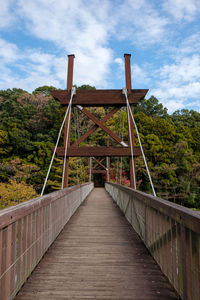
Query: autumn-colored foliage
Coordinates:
[29,125]
[12,193]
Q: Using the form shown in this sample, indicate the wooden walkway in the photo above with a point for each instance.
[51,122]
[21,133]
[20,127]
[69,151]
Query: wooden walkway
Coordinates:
[97,256]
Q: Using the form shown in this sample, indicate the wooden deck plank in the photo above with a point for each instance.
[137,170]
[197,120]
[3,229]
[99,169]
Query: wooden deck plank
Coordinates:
[97,256]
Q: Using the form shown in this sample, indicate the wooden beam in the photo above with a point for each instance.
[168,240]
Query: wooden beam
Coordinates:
[98,151]
[93,128]
[70,70]
[100,124]
[128,71]
[69,87]
[99,97]
[101,160]
[99,171]
[99,163]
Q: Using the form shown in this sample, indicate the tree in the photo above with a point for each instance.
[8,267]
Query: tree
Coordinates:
[151,107]
[44,90]
[189,118]
[13,193]
[85,87]
[29,125]
[5,147]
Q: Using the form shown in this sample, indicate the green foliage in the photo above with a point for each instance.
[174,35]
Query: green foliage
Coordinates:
[85,87]
[189,118]
[29,125]
[5,147]
[172,150]
[6,171]
[13,193]
[44,90]
[152,107]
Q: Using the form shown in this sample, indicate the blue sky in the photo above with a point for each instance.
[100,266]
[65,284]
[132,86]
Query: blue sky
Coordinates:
[163,38]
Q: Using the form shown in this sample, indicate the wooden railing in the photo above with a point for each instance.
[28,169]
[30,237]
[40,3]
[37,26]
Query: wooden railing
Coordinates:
[171,233]
[28,229]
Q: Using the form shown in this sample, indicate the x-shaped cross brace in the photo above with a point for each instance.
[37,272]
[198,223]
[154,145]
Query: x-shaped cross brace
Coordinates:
[99,162]
[99,123]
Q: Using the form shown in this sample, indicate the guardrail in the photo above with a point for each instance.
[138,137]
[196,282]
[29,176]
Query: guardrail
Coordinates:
[171,232]
[28,229]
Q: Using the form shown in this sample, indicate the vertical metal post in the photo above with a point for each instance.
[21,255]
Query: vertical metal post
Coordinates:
[108,163]
[90,177]
[68,119]
[90,165]
[108,173]
[131,139]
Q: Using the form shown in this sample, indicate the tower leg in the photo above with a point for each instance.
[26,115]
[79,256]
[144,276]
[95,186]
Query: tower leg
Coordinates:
[68,119]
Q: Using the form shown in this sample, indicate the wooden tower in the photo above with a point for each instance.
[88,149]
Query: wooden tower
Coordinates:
[88,98]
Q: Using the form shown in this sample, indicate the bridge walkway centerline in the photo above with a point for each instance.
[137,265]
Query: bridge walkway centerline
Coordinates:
[97,255]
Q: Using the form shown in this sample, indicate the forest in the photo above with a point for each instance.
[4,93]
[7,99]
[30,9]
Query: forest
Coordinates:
[29,125]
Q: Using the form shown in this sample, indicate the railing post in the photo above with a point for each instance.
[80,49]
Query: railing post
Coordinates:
[108,162]
[186,263]
[8,262]
[172,235]
[182,264]
[1,261]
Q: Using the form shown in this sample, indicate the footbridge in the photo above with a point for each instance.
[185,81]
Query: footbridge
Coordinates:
[99,243]
[115,242]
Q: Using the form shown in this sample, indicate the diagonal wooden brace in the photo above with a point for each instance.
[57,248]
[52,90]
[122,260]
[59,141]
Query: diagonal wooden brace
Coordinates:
[98,162]
[95,127]
[102,126]
[101,160]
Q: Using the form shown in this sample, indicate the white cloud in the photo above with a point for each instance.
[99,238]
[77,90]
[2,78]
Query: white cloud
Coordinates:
[182,9]
[178,97]
[6,17]
[93,69]
[189,45]
[8,55]
[180,93]
[88,31]
[185,69]
[74,28]
[34,68]
[179,83]
[85,31]
[8,51]
[120,63]
[140,22]
[140,76]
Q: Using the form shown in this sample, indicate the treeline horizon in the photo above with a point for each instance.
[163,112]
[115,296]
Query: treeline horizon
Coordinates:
[29,125]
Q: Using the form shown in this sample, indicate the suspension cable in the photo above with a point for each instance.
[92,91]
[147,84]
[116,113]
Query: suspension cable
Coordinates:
[66,145]
[90,176]
[117,172]
[130,137]
[76,137]
[107,169]
[149,175]
[122,137]
[73,91]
